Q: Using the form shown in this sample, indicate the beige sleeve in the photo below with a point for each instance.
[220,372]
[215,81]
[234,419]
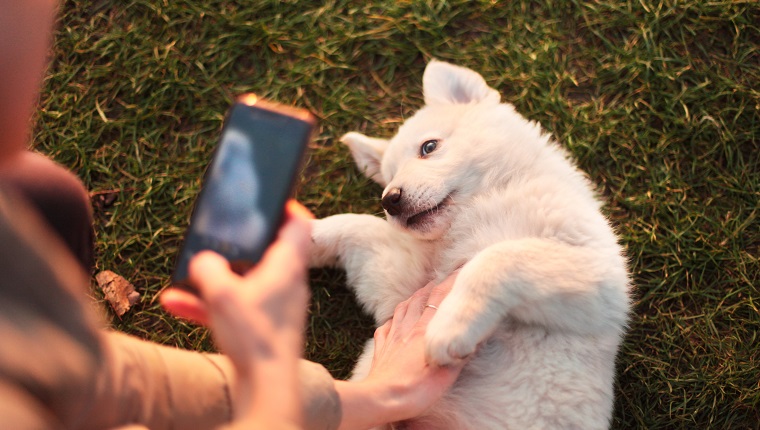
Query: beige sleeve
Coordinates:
[21,410]
[169,388]
[59,370]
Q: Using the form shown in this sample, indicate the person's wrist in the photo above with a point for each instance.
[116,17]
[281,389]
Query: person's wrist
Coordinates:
[367,404]
[391,397]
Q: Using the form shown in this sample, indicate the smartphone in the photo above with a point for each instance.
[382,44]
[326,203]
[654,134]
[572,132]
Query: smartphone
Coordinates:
[249,180]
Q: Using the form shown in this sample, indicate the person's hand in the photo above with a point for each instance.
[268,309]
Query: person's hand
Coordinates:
[257,320]
[400,384]
[294,236]
[400,351]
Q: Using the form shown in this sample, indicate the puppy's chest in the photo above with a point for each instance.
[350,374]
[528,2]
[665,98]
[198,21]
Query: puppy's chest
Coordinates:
[478,228]
[455,251]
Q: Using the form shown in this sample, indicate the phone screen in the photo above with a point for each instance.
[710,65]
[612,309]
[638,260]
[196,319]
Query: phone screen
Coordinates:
[247,184]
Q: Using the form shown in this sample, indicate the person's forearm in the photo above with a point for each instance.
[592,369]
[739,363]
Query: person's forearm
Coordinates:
[361,409]
[366,405]
[162,387]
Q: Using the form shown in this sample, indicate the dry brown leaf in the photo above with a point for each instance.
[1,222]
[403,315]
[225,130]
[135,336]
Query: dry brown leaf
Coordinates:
[121,294]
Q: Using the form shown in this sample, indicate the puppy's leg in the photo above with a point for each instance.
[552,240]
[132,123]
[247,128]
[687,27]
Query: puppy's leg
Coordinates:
[383,265]
[336,236]
[535,281]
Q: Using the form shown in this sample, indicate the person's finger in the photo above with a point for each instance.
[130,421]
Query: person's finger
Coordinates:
[446,375]
[209,271]
[380,336]
[297,226]
[398,315]
[291,248]
[185,305]
[440,291]
[297,210]
[416,303]
[435,298]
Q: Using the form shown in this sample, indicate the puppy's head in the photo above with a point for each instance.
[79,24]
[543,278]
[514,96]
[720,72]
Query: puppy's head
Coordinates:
[442,156]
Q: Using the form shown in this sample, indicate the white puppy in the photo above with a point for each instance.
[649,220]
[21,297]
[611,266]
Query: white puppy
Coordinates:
[542,298]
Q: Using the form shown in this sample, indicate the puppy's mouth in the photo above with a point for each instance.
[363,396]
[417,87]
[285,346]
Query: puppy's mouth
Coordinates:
[426,215]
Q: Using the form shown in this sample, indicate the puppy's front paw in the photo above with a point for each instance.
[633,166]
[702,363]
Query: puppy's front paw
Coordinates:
[324,237]
[448,340]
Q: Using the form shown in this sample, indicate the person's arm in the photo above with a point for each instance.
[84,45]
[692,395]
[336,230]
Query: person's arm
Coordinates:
[258,321]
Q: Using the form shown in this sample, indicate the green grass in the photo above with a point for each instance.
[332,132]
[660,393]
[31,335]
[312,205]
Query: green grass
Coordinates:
[659,102]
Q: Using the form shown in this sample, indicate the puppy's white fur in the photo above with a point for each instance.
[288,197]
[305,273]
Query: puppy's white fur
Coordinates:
[542,298]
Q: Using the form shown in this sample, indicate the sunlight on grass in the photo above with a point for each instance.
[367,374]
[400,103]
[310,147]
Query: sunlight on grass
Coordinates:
[659,102]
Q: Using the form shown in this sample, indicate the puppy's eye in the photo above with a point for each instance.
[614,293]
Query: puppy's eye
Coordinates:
[428,146]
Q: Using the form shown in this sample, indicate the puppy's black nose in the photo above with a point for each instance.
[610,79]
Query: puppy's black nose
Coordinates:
[392,201]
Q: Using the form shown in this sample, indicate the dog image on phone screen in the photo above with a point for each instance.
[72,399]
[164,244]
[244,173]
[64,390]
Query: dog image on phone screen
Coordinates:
[541,302]
[235,188]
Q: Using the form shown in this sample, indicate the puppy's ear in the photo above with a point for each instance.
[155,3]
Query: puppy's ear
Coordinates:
[368,154]
[445,83]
